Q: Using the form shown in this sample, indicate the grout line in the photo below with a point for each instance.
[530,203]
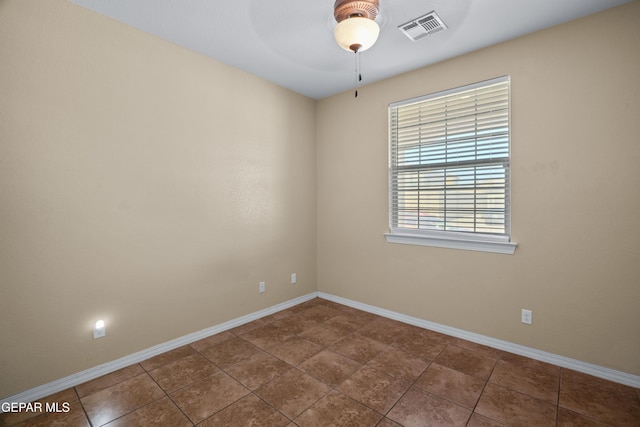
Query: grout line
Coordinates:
[179,408]
[168,396]
[484,387]
[84,410]
[270,405]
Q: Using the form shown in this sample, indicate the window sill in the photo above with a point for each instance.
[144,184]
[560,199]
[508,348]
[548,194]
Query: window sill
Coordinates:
[453,241]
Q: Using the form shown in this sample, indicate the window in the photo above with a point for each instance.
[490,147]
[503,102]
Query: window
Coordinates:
[449,169]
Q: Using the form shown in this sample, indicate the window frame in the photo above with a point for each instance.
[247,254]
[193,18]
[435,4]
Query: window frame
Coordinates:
[476,241]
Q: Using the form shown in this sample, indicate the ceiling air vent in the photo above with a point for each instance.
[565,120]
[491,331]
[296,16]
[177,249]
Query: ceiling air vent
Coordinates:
[423,26]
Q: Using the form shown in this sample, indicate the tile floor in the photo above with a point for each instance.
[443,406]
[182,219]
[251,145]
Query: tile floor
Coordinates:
[320,363]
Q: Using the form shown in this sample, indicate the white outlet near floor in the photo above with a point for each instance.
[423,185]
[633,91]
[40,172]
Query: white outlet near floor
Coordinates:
[526,316]
[294,278]
[262,286]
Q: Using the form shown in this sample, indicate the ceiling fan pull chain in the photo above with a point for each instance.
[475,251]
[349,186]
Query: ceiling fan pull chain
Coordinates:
[357,67]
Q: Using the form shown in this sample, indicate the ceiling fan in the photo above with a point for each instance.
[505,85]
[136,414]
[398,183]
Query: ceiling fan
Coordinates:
[357,29]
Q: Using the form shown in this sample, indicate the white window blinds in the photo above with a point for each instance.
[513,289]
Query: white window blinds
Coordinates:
[449,161]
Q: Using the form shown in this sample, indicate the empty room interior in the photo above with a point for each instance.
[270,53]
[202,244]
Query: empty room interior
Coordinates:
[179,198]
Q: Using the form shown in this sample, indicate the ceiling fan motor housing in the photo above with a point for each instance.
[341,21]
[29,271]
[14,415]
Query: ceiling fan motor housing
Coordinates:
[344,9]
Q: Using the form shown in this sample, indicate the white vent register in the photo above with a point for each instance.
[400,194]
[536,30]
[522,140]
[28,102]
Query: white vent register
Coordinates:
[423,26]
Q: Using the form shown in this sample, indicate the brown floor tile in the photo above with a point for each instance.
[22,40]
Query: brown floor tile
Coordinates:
[207,396]
[324,335]
[115,401]
[359,348]
[450,384]
[515,409]
[162,412]
[295,324]
[69,396]
[243,329]
[336,409]
[183,372]
[293,392]
[381,331]
[211,341]
[250,411]
[419,344]
[467,361]
[596,398]
[478,420]
[386,422]
[419,408]
[399,364]
[567,418]
[295,350]
[374,389]
[530,364]
[478,348]
[305,305]
[267,336]
[347,322]
[579,381]
[437,338]
[331,304]
[230,352]
[528,376]
[320,313]
[164,358]
[108,380]
[330,367]
[395,324]
[13,418]
[75,417]
[354,311]
[257,370]
[279,315]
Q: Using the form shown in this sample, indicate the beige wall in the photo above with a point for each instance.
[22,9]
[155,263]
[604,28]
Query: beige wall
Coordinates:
[575,95]
[131,189]
[142,184]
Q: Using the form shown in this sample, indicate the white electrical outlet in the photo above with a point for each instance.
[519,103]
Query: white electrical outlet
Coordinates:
[526,316]
[99,329]
[294,278]
[262,286]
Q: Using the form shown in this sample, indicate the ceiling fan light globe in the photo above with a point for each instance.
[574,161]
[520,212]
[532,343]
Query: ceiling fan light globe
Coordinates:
[356,31]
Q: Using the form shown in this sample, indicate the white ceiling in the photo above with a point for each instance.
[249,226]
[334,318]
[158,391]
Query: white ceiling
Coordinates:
[290,42]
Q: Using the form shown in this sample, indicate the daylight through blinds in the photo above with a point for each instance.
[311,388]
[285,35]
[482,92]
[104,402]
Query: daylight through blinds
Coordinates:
[450,160]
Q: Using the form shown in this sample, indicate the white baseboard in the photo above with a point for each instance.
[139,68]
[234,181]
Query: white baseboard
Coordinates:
[554,359]
[98,371]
